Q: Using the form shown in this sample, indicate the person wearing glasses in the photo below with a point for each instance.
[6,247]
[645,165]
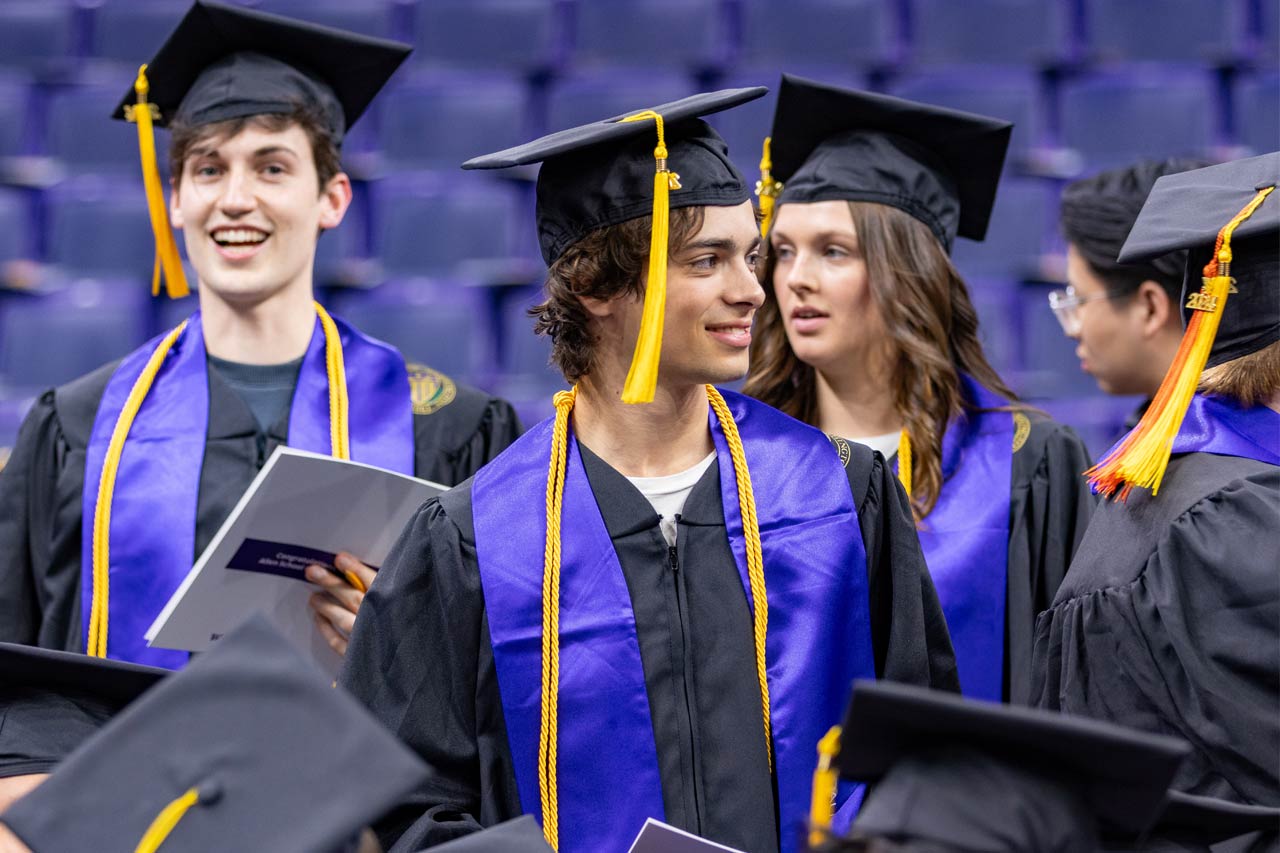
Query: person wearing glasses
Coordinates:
[1124,318]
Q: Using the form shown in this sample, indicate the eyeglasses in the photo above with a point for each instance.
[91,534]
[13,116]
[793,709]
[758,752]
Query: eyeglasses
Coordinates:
[1066,307]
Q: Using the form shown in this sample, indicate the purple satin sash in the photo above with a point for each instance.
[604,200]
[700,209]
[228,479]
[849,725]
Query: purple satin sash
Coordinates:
[819,636]
[153,514]
[1225,428]
[966,539]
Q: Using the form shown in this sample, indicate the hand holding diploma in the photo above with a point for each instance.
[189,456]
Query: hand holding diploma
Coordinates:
[336,607]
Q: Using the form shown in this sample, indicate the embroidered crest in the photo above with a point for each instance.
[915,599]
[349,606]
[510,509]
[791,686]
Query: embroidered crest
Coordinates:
[1021,429]
[429,389]
[842,448]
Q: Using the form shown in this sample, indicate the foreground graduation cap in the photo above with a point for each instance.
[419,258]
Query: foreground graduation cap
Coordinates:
[522,835]
[981,776]
[52,701]
[248,748]
[1228,217]
[224,62]
[939,165]
[609,172]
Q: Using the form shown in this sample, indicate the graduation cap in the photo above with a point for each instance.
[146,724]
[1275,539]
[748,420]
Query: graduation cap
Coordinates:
[939,165]
[52,701]
[224,62]
[609,172]
[983,776]
[1228,218]
[248,748]
[521,835]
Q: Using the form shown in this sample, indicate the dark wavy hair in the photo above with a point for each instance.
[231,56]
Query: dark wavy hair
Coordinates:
[932,331]
[607,263]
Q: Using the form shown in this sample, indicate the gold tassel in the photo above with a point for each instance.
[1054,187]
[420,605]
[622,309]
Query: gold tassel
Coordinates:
[167,260]
[904,461]
[1141,459]
[642,376]
[823,804]
[767,189]
[165,822]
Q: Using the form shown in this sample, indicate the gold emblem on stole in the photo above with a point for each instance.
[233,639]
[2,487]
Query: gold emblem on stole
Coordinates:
[429,389]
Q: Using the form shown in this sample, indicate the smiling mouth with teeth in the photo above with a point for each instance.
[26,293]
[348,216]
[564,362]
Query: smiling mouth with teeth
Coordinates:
[239,237]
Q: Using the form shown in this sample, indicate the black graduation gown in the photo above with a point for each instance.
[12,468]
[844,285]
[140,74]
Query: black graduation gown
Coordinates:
[421,657]
[42,485]
[1168,622]
[1050,505]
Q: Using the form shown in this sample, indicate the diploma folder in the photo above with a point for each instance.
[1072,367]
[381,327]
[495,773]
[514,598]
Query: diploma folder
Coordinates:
[302,508]
[658,837]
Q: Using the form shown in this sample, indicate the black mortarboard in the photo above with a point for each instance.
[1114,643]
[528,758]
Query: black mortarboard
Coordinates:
[224,61]
[522,835]
[248,748]
[609,172]
[939,165]
[987,777]
[52,701]
[1187,210]
[1228,218]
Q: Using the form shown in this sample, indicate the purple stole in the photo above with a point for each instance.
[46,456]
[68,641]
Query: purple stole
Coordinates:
[153,515]
[1225,428]
[966,539]
[819,637]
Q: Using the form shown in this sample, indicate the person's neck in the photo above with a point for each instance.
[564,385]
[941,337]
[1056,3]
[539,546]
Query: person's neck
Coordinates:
[655,439]
[856,403]
[1158,358]
[273,331]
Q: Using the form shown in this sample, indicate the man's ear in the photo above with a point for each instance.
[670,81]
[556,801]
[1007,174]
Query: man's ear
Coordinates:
[335,198]
[598,308]
[175,211]
[1158,309]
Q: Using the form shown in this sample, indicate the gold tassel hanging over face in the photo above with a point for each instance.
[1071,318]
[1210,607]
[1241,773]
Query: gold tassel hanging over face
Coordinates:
[767,189]
[143,114]
[642,377]
[1141,459]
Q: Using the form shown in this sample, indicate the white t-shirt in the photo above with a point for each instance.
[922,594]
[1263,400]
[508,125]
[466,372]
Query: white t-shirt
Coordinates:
[667,494]
[887,444]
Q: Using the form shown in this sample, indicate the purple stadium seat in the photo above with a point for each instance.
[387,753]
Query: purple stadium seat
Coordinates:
[426,225]
[1027,32]
[98,226]
[1098,418]
[690,34]
[1007,93]
[744,128]
[1257,113]
[1170,31]
[592,96]
[128,30]
[368,17]
[1015,234]
[50,338]
[1118,117]
[338,247]
[15,226]
[35,34]
[440,323]
[437,120]
[520,35]
[1048,360]
[80,132]
[15,92]
[996,301]
[834,32]
[1267,37]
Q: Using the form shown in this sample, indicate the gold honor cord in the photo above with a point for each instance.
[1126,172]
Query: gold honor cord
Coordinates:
[164,822]
[144,114]
[549,728]
[642,377]
[1143,456]
[767,189]
[823,803]
[904,461]
[99,611]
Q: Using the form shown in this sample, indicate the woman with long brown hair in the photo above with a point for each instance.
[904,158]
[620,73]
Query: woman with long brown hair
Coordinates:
[870,335]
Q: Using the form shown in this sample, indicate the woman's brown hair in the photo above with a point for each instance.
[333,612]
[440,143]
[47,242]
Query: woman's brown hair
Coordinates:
[932,332]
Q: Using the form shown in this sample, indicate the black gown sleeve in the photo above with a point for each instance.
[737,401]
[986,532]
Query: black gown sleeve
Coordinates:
[420,659]
[1050,505]
[455,441]
[908,629]
[27,484]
